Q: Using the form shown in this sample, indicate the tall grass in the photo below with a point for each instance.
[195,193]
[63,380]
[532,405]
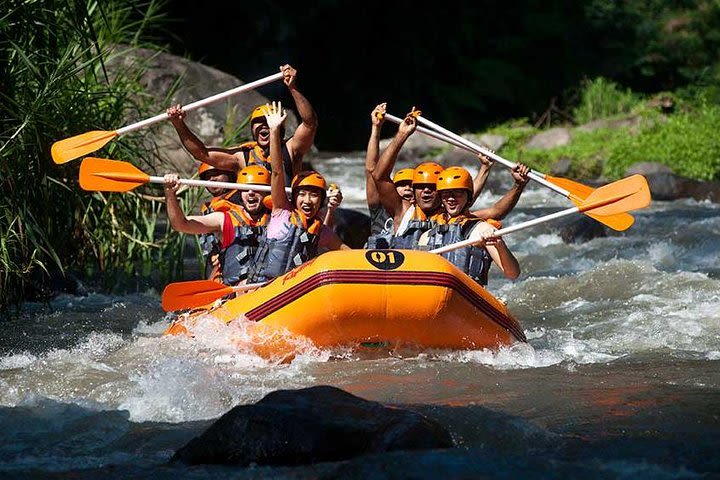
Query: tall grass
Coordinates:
[62,77]
[601,98]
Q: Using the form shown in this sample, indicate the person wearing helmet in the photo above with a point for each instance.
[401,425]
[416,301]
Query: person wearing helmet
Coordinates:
[295,231]
[455,223]
[381,224]
[411,212]
[237,227]
[258,150]
[221,199]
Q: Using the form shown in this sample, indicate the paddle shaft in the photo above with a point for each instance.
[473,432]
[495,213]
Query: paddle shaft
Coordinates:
[505,231]
[209,183]
[200,103]
[248,286]
[449,137]
[614,199]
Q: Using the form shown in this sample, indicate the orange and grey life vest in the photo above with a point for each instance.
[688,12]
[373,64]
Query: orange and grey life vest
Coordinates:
[254,155]
[409,237]
[474,261]
[209,243]
[276,256]
[237,258]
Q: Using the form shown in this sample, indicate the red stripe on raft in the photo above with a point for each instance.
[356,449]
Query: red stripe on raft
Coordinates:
[438,279]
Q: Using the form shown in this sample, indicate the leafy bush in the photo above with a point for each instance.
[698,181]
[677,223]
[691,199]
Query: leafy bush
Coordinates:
[56,84]
[687,142]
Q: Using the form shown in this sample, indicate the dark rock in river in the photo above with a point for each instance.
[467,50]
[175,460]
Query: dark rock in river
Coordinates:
[317,424]
[666,185]
[352,227]
[579,229]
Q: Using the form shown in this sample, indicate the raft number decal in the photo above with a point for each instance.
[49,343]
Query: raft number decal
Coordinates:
[385,259]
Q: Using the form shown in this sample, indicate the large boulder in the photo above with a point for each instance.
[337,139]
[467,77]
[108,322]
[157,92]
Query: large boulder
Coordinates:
[549,139]
[316,424]
[352,226]
[666,185]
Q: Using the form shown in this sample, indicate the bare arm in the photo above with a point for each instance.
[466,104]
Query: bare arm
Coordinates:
[508,201]
[217,157]
[211,223]
[497,249]
[391,201]
[486,164]
[276,117]
[377,117]
[304,136]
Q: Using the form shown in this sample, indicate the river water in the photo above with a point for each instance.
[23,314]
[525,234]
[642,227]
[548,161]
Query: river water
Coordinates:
[620,377]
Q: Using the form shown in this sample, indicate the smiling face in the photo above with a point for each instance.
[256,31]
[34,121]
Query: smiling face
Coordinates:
[454,201]
[216,176]
[405,190]
[308,200]
[252,201]
[261,132]
[426,196]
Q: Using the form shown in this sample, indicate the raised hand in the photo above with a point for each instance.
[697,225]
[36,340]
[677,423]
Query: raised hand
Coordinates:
[171,182]
[176,113]
[520,174]
[335,197]
[289,75]
[275,115]
[377,117]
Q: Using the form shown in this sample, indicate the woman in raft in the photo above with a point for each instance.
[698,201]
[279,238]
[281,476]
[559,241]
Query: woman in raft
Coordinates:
[455,223]
[294,233]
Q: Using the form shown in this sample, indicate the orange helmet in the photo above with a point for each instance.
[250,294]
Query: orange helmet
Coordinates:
[403,175]
[453,178]
[427,172]
[205,170]
[258,113]
[254,175]
[309,178]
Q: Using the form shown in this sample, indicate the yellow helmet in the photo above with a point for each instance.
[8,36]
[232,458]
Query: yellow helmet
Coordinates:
[427,172]
[403,175]
[453,178]
[258,113]
[254,175]
[309,178]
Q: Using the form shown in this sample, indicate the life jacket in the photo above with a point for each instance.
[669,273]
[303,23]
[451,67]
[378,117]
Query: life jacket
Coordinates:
[381,229]
[254,155]
[409,233]
[276,256]
[475,261]
[210,245]
[237,258]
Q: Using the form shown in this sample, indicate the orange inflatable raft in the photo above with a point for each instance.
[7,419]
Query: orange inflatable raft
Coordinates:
[399,297]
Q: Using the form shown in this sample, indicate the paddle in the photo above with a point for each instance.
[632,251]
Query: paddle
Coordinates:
[631,193]
[103,175]
[71,148]
[196,293]
[574,191]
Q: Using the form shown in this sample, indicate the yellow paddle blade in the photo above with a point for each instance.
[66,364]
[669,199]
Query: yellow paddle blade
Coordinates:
[576,189]
[631,193]
[103,175]
[619,222]
[184,295]
[71,148]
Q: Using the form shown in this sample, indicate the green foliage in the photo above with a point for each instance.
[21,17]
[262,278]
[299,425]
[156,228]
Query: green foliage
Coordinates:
[64,75]
[601,98]
[687,142]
